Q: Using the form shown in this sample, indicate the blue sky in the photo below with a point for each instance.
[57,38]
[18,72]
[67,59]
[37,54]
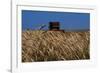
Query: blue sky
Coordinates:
[68,20]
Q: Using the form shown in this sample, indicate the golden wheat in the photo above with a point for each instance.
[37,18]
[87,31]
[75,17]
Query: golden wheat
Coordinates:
[41,45]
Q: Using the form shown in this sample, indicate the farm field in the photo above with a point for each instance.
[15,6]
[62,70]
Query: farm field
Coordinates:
[39,45]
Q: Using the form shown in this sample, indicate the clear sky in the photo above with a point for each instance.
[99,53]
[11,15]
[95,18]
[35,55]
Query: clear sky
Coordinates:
[68,20]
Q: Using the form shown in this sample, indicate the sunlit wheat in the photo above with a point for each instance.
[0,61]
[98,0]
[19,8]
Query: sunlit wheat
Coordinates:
[41,45]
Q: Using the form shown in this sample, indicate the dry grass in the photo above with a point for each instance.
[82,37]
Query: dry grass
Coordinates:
[54,45]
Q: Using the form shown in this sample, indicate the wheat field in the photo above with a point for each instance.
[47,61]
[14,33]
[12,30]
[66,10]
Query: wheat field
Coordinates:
[39,45]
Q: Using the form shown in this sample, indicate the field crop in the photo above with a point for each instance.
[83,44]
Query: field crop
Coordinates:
[39,45]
